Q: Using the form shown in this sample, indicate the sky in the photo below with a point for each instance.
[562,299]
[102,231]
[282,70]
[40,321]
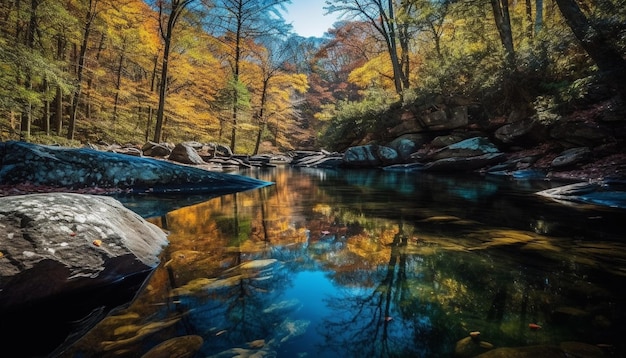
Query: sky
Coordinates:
[307,17]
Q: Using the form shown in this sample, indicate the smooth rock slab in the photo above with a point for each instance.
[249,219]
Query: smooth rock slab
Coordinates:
[88,168]
[611,193]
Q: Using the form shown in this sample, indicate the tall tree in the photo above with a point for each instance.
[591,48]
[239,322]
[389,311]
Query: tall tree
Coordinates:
[30,43]
[91,12]
[238,21]
[169,14]
[610,62]
[276,88]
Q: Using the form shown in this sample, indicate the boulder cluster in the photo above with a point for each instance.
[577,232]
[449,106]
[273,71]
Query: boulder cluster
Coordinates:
[441,135]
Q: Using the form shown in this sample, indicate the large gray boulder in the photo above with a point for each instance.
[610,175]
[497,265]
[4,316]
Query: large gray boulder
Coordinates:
[76,168]
[408,144]
[370,156]
[93,239]
[65,257]
[185,153]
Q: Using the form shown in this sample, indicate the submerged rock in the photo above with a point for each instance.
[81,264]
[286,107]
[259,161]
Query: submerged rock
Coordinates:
[565,349]
[471,346]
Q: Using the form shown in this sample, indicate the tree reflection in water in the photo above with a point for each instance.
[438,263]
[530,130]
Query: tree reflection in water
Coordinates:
[397,266]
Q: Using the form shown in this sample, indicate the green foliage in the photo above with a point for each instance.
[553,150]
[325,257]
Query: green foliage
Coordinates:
[354,120]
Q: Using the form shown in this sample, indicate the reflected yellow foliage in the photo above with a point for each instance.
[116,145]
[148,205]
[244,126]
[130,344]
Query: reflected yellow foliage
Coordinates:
[323,209]
[135,333]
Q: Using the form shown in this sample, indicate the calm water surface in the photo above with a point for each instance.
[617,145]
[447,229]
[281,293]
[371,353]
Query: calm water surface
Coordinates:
[375,264]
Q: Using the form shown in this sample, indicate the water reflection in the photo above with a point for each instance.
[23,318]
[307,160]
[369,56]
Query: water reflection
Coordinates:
[352,264]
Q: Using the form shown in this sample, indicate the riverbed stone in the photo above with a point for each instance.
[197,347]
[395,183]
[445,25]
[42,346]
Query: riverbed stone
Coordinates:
[370,156]
[151,149]
[185,153]
[471,346]
[407,144]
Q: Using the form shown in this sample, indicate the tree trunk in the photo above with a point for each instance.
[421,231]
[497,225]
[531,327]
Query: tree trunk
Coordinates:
[28,83]
[46,109]
[87,101]
[238,38]
[503,23]
[118,85]
[387,26]
[538,16]
[91,13]
[158,129]
[610,63]
[58,115]
[529,19]
[261,117]
[177,8]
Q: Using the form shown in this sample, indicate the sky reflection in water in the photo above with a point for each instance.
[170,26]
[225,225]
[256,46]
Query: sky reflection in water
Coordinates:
[353,264]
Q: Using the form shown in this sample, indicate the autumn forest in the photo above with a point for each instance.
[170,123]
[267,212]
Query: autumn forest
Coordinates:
[234,72]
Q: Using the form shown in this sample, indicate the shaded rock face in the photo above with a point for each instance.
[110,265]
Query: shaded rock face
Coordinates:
[83,168]
[434,114]
[65,257]
[527,132]
[580,133]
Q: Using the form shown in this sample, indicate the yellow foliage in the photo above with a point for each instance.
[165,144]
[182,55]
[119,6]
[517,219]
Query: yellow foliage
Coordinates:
[376,72]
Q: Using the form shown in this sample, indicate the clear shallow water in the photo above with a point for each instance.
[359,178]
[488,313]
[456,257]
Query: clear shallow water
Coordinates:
[370,263]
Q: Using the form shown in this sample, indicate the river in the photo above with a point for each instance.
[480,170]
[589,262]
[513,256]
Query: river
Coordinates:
[376,264]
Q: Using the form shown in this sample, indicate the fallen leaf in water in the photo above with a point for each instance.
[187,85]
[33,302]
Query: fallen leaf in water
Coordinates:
[97,243]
